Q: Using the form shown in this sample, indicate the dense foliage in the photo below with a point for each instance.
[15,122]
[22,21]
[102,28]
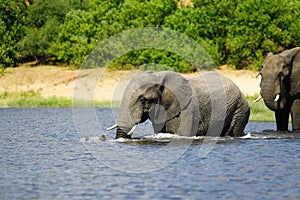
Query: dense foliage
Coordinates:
[235,32]
[12,29]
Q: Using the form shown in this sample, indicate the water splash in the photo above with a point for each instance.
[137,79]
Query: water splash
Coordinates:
[165,138]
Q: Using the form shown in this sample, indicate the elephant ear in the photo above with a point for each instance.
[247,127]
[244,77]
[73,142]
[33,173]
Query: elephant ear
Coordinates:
[292,58]
[176,93]
[295,75]
[290,54]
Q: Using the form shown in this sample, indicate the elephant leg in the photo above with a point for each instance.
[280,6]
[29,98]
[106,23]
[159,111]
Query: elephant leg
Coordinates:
[238,130]
[186,124]
[172,126]
[282,119]
[238,122]
[159,128]
[295,111]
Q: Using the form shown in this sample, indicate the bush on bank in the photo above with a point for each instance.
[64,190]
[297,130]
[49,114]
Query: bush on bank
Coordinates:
[235,32]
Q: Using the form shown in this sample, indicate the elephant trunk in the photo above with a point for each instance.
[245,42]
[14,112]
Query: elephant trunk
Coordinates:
[274,100]
[124,123]
[271,104]
[127,119]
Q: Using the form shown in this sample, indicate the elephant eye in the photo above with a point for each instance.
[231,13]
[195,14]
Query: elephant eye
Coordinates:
[143,100]
[281,74]
[149,101]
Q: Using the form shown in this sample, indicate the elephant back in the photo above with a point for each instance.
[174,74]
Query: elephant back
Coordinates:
[217,96]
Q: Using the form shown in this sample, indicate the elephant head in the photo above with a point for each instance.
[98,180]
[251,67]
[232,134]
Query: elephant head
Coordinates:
[158,96]
[280,78]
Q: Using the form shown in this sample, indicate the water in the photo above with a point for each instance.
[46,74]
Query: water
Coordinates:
[44,154]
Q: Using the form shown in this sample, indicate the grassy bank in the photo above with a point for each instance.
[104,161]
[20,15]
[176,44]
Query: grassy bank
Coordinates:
[31,99]
[258,111]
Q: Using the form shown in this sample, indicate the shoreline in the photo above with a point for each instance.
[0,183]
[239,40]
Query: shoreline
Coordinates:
[57,87]
[53,81]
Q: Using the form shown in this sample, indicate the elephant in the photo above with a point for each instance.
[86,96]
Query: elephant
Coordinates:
[183,106]
[280,87]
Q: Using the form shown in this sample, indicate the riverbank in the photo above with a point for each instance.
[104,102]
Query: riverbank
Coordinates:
[51,81]
[52,86]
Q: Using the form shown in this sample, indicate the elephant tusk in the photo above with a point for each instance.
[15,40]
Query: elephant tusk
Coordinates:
[277,98]
[112,127]
[258,99]
[132,130]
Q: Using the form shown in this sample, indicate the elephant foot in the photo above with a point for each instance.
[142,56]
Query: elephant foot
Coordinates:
[123,134]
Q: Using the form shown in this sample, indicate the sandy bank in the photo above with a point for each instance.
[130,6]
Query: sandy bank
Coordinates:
[103,85]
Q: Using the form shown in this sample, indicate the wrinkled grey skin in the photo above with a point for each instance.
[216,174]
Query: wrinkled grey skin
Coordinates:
[180,106]
[280,75]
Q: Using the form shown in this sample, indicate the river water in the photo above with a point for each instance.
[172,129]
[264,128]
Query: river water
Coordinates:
[51,154]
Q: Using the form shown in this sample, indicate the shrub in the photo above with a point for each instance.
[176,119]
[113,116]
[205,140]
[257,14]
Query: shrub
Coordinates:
[260,27]
[43,25]
[234,32]
[12,29]
[206,23]
[83,31]
[73,42]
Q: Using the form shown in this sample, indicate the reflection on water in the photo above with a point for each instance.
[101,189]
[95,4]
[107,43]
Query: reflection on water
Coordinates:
[44,156]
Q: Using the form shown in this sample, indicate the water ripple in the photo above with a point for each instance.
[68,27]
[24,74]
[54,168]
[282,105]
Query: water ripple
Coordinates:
[43,157]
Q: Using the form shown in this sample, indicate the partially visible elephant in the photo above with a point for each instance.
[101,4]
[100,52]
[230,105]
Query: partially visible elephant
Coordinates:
[280,87]
[183,106]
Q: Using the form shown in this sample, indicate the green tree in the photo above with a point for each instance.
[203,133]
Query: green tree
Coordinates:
[12,29]
[43,25]
[82,31]
[207,22]
[65,31]
[139,14]
[73,42]
[260,27]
